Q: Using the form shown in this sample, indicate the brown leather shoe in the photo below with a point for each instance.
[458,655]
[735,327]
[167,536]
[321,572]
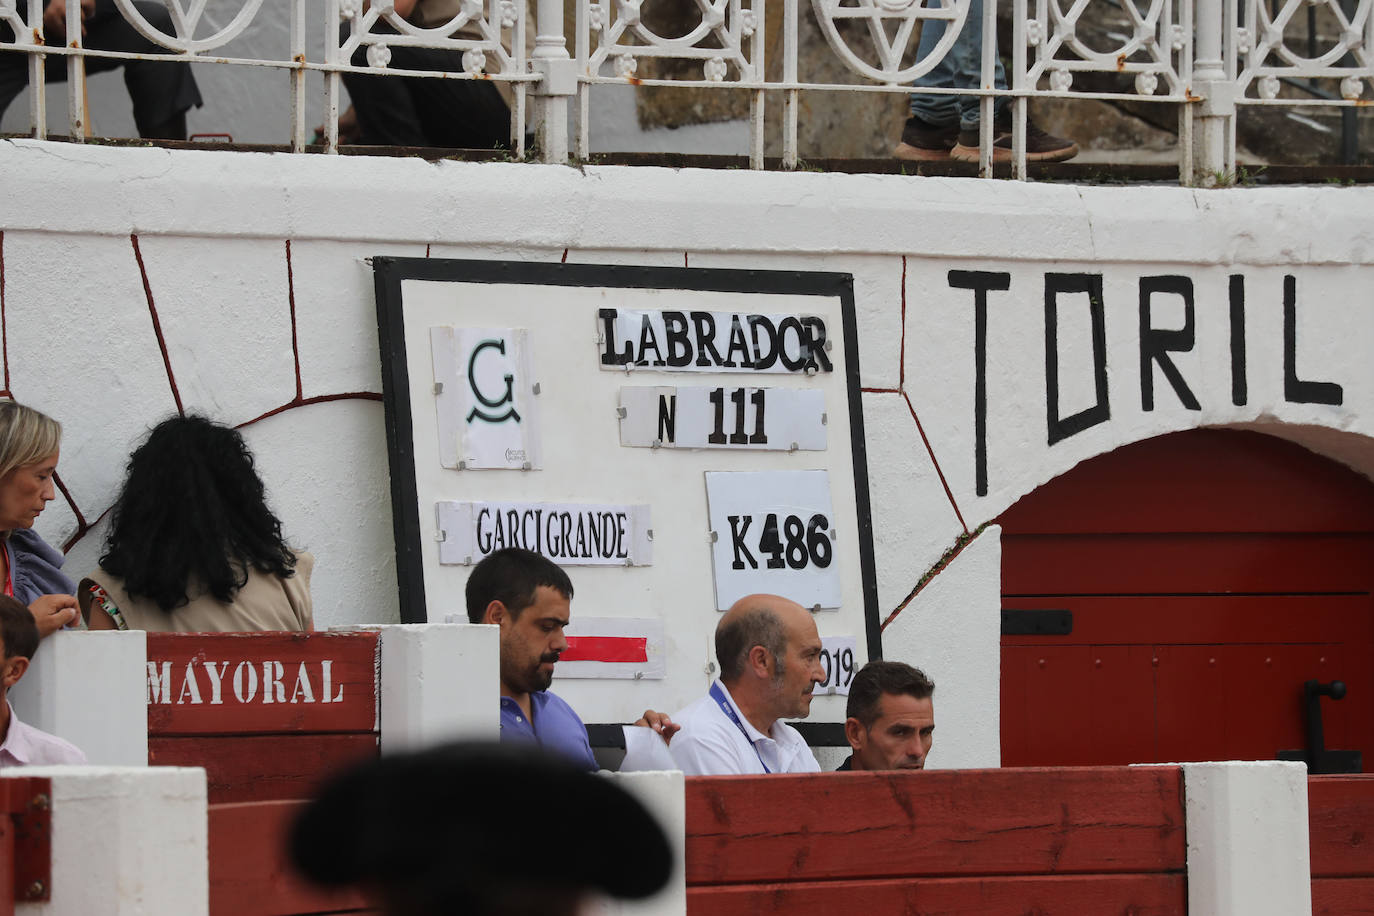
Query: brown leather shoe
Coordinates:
[1040,146]
[924,142]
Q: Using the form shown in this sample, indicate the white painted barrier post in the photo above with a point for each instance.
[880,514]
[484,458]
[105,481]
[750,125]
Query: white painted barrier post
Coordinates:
[91,689]
[125,841]
[1247,833]
[555,90]
[439,682]
[663,793]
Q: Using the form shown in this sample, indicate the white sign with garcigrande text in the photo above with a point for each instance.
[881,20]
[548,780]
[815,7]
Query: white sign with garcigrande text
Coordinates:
[691,341]
[570,534]
[773,419]
[773,532]
[485,398]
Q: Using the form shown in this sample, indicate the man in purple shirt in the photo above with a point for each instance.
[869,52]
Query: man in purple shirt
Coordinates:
[20,744]
[530,598]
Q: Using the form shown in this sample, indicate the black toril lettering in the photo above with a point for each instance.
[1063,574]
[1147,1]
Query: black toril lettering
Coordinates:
[980,281]
[1240,393]
[647,342]
[609,356]
[1295,390]
[1156,344]
[815,338]
[622,549]
[1062,427]
[763,358]
[679,342]
[705,325]
[737,533]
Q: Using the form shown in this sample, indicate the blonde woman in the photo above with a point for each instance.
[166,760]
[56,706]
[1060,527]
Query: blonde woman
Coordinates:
[30,568]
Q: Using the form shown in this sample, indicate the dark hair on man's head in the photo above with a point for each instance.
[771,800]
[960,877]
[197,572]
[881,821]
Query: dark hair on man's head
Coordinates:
[192,510]
[17,628]
[511,576]
[750,627]
[878,678]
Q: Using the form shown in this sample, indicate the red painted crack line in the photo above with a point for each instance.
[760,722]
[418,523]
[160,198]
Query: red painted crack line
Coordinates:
[901,357]
[925,440]
[298,401]
[318,399]
[291,300]
[930,575]
[157,325]
[4,328]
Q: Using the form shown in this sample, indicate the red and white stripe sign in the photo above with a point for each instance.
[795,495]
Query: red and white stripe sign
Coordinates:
[613,647]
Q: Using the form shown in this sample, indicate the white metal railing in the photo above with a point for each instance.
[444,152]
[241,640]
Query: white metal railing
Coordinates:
[1205,57]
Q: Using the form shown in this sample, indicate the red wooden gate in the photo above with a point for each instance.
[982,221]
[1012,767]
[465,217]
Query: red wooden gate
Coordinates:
[268,715]
[1209,574]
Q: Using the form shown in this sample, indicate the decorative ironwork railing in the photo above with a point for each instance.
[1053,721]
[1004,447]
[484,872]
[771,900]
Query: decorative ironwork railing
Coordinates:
[1204,57]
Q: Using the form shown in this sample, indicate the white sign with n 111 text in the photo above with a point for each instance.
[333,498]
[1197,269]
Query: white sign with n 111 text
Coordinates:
[773,533]
[569,534]
[485,398]
[775,419]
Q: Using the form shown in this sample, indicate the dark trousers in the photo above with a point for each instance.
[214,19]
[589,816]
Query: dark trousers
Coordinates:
[402,111]
[162,92]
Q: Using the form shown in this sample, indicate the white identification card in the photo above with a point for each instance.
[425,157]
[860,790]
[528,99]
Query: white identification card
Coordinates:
[773,533]
[837,658]
[728,417]
[484,398]
[570,534]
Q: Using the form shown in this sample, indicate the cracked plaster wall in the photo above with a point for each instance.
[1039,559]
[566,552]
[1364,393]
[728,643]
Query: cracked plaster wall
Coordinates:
[253,267]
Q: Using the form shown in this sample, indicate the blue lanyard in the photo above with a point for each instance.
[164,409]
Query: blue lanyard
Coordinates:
[719,696]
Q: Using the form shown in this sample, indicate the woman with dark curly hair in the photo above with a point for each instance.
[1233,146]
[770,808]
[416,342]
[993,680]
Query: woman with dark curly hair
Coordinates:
[192,545]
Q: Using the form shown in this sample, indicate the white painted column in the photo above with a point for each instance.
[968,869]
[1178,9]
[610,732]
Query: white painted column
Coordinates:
[90,687]
[1247,839]
[1215,159]
[553,92]
[662,792]
[439,682]
[126,841]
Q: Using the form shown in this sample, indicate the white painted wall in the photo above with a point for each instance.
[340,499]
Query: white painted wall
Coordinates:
[1248,850]
[212,231]
[126,841]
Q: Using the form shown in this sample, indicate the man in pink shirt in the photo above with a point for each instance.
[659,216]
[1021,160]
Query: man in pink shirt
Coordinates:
[24,745]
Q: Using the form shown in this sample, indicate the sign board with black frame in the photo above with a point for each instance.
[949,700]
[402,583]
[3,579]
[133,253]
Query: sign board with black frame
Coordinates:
[674,437]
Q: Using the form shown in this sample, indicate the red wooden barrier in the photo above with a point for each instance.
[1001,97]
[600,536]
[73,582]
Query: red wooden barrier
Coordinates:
[269,716]
[986,842]
[1341,824]
[25,841]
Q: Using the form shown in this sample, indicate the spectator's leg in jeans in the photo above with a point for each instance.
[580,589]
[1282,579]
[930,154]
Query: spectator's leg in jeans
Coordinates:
[933,129]
[14,67]
[385,108]
[161,92]
[398,111]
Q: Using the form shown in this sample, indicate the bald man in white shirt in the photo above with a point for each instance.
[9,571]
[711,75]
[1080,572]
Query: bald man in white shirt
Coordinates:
[769,653]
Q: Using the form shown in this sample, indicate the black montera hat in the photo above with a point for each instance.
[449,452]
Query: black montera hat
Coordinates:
[479,829]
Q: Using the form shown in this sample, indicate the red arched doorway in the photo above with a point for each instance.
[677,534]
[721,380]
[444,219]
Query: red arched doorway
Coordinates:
[1209,574]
